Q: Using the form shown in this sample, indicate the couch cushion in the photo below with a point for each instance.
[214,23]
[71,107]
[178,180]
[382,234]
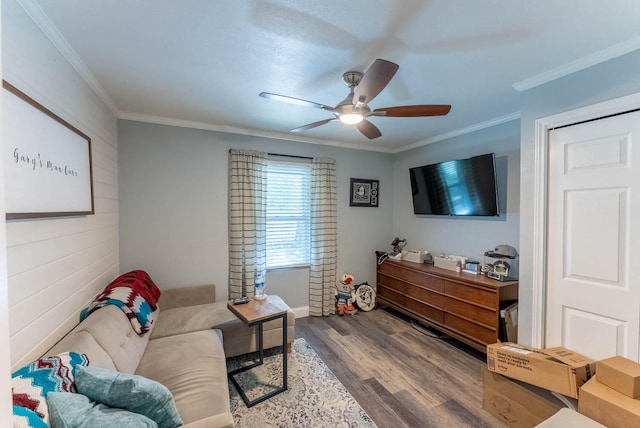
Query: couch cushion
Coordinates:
[114,337]
[187,296]
[129,392]
[188,319]
[193,367]
[83,342]
[238,338]
[77,410]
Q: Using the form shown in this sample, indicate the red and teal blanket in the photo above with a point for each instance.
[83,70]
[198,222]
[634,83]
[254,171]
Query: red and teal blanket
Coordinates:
[135,294]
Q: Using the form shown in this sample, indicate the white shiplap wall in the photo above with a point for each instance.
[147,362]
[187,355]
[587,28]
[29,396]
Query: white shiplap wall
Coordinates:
[56,266]
[5,364]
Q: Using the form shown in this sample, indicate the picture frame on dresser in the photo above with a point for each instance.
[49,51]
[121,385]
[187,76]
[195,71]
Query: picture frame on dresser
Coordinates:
[48,166]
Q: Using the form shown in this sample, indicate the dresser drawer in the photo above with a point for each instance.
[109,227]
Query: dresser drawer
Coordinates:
[414,277]
[390,294]
[480,296]
[475,313]
[393,283]
[394,288]
[432,314]
[471,330]
[427,296]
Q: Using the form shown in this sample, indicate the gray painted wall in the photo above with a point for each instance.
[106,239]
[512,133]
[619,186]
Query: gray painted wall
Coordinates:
[613,79]
[464,236]
[173,207]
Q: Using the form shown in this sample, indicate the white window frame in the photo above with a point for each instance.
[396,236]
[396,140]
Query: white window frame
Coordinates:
[301,254]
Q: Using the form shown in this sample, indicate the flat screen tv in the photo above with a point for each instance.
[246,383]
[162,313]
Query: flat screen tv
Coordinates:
[463,187]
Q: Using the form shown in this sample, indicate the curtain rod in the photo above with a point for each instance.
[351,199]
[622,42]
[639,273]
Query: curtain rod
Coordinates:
[289,156]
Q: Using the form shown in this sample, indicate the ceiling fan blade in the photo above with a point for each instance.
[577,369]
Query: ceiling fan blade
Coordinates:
[374,80]
[312,125]
[368,129]
[296,101]
[413,111]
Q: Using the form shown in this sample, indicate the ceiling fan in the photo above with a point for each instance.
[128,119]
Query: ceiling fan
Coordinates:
[354,109]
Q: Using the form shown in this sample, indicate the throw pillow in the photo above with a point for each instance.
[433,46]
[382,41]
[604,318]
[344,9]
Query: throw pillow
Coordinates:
[67,409]
[27,418]
[32,383]
[130,392]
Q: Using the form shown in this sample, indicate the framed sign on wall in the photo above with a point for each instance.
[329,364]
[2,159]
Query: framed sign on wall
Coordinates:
[364,192]
[47,161]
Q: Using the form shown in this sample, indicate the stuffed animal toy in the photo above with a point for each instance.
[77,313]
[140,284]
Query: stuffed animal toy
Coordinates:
[345,293]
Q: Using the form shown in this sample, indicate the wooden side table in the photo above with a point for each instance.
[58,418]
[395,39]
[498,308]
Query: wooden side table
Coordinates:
[257,312]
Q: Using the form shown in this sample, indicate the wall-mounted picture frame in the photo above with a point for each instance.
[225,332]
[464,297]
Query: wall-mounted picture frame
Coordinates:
[364,192]
[47,161]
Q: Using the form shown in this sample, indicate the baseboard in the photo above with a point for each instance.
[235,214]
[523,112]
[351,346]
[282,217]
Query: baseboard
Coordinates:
[301,312]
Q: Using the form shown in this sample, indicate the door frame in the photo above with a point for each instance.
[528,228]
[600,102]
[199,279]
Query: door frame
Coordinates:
[540,195]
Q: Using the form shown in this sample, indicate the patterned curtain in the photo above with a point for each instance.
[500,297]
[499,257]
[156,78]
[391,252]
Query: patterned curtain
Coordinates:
[247,220]
[324,231]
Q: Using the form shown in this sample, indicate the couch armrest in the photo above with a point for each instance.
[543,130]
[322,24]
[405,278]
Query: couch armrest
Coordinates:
[187,296]
[223,420]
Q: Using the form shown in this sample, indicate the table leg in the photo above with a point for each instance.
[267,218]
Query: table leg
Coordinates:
[260,342]
[284,352]
[261,361]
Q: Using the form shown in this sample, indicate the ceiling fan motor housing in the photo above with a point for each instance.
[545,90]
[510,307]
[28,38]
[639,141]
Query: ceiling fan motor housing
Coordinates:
[352,78]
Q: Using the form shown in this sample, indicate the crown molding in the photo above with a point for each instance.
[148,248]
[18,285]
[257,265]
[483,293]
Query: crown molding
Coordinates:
[33,9]
[578,65]
[462,131]
[243,131]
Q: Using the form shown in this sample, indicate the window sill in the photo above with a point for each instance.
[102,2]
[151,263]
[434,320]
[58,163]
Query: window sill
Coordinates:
[292,267]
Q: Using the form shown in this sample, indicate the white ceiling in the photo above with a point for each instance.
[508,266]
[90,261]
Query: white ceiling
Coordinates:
[203,62]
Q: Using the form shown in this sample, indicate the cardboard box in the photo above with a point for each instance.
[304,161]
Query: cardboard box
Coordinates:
[621,374]
[516,404]
[608,406]
[555,369]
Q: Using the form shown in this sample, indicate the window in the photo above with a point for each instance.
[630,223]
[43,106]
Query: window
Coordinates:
[288,214]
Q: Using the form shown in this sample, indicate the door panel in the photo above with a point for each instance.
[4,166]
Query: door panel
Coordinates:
[607,209]
[609,331]
[593,287]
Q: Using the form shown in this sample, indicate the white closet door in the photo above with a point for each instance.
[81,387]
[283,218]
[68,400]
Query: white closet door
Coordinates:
[593,281]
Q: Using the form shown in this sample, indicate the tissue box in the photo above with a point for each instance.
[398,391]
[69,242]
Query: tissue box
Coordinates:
[415,256]
[451,263]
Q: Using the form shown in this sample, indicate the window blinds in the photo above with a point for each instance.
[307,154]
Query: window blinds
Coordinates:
[288,214]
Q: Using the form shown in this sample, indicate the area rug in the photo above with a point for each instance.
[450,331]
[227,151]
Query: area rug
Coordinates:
[315,397]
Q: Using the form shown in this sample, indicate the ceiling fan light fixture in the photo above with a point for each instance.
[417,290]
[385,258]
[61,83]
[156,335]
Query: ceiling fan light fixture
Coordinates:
[351,114]
[351,118]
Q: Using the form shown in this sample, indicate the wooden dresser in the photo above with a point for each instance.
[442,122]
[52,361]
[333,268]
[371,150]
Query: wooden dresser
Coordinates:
[462,305]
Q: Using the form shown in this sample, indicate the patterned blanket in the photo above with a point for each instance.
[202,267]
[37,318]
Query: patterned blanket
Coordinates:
[140,281]
[135,307]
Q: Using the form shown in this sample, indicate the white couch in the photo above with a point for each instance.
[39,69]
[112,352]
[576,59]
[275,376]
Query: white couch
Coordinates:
[184,351]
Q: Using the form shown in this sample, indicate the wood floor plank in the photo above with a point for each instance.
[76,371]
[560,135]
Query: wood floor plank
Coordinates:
[401,376]
[397,405]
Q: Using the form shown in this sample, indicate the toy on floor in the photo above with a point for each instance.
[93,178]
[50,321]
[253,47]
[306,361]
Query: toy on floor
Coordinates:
[345,293]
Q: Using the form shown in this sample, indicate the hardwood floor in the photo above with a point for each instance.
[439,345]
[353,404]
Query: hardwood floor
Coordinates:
[401,376]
